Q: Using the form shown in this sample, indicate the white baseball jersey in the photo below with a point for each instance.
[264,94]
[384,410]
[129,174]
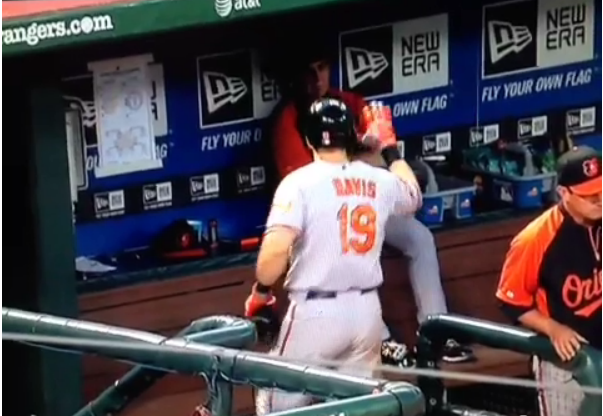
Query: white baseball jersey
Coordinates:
[340,211]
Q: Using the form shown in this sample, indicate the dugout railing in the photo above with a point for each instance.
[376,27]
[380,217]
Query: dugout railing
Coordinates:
[155,355]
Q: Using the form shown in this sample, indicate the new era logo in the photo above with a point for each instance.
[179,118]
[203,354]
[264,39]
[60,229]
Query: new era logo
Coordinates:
[149,193]
[510,37]
[101,203]
[196,185]
[524,128]
[157,193]
[362,65]
[366,61]
[580,121]
[476,136]
[243,178]
[429,144]
[573,119]
[109,202]
[504,38]
[206,184]
[227,89]
[221,90]
[532,127]
[437,143]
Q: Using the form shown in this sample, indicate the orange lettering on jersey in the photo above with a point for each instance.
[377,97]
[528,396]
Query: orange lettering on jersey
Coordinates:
[355,186]
[583,296]
[371,189]
[339,188]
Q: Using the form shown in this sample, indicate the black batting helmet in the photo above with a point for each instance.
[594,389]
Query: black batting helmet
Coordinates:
[329,124]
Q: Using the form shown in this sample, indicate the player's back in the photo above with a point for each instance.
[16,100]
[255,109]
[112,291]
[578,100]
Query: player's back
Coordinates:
[345,211]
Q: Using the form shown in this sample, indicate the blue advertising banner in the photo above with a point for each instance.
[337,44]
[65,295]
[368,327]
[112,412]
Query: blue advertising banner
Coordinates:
[418,67]
[538,55]
[513,69]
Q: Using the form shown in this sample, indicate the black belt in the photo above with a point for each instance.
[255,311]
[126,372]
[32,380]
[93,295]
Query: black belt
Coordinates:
[319,294]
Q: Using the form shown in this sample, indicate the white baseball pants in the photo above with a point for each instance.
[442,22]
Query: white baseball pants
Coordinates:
[564,402]
[346,329]
[416,242]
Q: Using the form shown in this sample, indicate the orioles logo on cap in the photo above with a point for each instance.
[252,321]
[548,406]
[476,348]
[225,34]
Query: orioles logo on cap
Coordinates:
[591,167]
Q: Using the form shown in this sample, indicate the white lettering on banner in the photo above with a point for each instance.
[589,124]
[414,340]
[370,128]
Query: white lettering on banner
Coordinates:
[537,85]
[236,138]
[420,105]
[565,32]
[161,151]
[230,139]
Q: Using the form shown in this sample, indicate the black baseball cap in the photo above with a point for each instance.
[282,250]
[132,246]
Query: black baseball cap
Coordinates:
[579,169]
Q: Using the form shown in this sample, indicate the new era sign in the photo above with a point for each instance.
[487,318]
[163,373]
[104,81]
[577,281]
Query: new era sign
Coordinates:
[530,34]
[397,58]
[234,88]
[532,127]
[365,61]
[204,187]
[581,121]
[362,65]
[224,88]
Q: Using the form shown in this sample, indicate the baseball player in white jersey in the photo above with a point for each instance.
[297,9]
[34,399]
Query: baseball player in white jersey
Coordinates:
[326,227]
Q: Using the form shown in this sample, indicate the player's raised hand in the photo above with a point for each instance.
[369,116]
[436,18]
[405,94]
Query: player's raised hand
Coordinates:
[379,132]
[566,341]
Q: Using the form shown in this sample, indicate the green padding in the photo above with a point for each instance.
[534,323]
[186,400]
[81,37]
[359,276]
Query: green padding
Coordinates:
[214,330]
[124,20]
[586,367]
[226,365]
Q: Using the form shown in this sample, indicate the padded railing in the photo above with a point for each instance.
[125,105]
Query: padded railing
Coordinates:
[433,333]
[221,366]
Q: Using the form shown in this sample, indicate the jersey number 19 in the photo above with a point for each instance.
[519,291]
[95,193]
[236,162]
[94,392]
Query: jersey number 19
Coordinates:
[357,228]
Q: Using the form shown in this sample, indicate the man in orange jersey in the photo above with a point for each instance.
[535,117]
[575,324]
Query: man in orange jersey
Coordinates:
[551,279]
[309,78]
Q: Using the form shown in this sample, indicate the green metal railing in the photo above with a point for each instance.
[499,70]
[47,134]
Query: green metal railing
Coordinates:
[216,330]
[201,349]
[221,366]
[433,333]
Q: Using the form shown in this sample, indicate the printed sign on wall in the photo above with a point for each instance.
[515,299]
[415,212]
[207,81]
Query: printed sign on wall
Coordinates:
[407,64]
[78,93]
[400,58]
[233,89]
[535,52]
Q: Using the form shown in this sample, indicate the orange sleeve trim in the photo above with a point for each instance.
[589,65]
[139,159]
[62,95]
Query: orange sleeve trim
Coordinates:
[288,147]
[518,283]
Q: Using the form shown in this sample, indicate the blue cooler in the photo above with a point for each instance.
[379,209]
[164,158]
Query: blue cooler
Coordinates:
[453,198]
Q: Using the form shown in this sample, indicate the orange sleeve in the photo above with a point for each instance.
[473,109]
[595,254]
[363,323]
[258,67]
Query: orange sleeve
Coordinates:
[519,280]
[288,147]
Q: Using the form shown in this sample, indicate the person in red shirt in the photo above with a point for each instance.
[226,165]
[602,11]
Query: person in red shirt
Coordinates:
[309,78]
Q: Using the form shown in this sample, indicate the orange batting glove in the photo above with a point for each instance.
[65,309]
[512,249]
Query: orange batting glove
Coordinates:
[256,301]
[380,131]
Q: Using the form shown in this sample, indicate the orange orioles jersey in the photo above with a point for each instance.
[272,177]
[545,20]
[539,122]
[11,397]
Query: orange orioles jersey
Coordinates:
[554,266]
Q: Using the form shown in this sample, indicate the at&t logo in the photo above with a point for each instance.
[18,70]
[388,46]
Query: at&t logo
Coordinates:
[225,7]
